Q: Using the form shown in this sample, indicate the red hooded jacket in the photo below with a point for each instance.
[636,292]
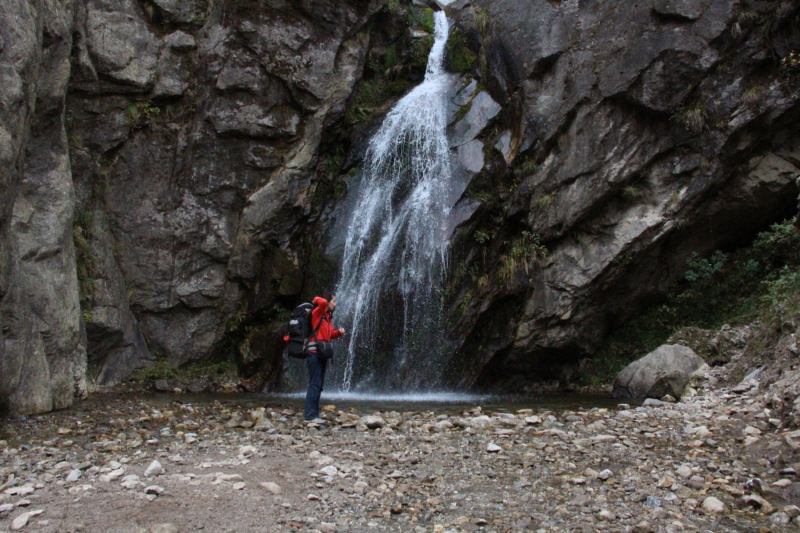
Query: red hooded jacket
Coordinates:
[326,330]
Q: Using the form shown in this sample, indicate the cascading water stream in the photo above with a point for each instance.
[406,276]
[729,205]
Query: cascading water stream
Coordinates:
[397,240]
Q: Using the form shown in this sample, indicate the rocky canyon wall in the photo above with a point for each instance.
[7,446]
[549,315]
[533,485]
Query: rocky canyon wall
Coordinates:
[632,136]
[171,170]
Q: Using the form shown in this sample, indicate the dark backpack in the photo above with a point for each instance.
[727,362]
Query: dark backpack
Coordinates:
[299,331]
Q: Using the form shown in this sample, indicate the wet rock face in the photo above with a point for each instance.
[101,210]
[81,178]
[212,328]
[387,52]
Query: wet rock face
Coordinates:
[632,138]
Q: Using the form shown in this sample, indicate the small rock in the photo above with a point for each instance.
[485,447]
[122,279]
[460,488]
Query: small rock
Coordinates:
[696,482]
[329,470]
[111,476]
[154,489]
[73,476]
[605,474]
[372,421]
[652,502]
[247,451]
[753,485]
[712,505]
[493,448]
[162,385]
[164,528]
[274,488]
[668,399]
[155,469]
[756,502]
[606,515]
[780,519]
[685,472]
[326,527]
[792,510]
[22,520]
[782,483]
[642,527]
[239,485]
[312,498]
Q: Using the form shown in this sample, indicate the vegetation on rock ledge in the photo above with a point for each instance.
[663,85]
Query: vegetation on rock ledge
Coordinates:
[760,283]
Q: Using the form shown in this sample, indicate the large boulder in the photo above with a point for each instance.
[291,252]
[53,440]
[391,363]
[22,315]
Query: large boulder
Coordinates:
[666,370]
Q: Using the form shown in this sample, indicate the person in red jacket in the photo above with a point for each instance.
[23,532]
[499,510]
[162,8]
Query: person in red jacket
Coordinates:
[320,318]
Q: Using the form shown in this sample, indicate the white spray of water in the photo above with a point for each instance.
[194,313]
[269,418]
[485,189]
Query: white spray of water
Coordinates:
[397,239]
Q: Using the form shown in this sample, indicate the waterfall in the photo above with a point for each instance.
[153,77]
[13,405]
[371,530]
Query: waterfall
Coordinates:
[389,293]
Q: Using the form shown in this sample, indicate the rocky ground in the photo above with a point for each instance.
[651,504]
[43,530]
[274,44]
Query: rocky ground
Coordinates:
[716,461]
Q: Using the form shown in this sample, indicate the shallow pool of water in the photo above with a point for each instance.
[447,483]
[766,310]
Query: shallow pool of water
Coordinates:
[445,402]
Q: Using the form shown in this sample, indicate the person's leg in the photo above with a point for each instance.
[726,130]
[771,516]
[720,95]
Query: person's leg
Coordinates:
[315,376]
[323,365]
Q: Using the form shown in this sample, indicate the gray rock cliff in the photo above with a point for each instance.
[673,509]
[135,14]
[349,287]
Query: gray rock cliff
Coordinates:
[637,134]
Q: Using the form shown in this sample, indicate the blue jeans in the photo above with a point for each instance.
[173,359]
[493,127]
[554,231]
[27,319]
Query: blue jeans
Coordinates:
[316,378]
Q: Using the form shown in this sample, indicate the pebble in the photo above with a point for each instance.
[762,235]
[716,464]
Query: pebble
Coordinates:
[493,448]
[22,520]
[274,488]
[154,489]
[712,505]
[372,421]
[247,451]
[164,528]
[155,469]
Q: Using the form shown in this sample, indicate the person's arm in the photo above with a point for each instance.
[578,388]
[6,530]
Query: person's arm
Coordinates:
[336,333]
[320,309]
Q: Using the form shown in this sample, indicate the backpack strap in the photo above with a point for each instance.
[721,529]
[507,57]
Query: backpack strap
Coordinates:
[316,330]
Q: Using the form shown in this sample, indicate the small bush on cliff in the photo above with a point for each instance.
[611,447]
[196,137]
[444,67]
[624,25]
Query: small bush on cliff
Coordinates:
[85,260]
[692,117]
[523,255]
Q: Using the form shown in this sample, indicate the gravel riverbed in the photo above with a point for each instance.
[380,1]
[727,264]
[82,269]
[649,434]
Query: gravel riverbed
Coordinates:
[716,461]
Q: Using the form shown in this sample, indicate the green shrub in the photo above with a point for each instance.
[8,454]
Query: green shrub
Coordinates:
[391,58]
[483,236]
[463,110]
[700,269]
[524,254]
[87,265]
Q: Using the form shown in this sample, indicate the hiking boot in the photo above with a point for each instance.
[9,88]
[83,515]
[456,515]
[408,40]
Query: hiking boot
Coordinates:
[317,420]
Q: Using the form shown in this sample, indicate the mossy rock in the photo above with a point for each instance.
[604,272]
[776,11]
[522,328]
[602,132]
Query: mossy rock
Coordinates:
[459,57]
